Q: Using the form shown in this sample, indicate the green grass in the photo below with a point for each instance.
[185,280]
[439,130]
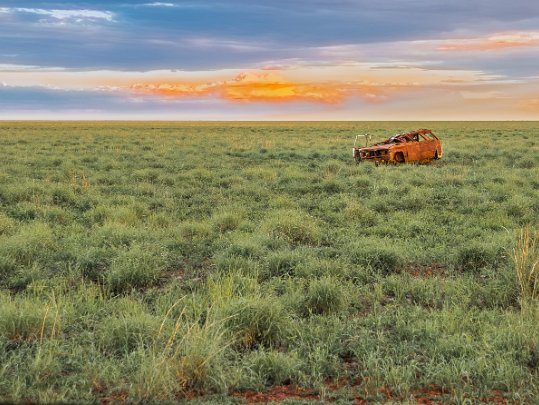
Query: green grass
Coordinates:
[165,261]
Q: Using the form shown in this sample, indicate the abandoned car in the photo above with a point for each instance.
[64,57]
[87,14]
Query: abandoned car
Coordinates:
[416,146]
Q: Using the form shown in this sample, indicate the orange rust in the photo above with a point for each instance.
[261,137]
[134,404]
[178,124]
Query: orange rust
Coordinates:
[417,146]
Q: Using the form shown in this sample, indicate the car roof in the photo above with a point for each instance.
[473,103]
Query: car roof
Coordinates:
[409,135]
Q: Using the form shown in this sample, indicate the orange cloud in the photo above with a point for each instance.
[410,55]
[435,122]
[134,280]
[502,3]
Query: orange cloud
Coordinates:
[249,86]
[181,89]
[492,43]
[269,86]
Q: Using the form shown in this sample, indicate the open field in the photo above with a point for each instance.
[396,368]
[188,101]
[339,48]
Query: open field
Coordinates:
[217,261]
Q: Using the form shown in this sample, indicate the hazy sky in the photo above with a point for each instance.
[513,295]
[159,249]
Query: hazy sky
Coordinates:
[268,60]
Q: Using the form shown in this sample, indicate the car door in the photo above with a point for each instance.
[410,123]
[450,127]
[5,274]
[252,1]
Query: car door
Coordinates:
[412,151]
[427,147]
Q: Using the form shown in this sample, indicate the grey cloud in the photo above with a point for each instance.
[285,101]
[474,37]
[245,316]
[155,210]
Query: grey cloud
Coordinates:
[240,33]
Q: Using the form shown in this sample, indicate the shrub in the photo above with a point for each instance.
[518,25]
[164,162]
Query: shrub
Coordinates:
[324,296]
[258,322]
[128,216]
[63,195]
[380,204]
[115,235]
[316,267]
[357,213]
[200,174]
[120,335]
[380,258]
[7,225]
[475,257]
[199,356]
[520,208]
[246,247]
[384,260]
[227,264]
[31,242]
[24,211]
[8,265]
[94,261]
[331,186]
[268,368]
[525,163]
[195,231]
[138,267]
[294,227]
[97,215]
[21,277]
[188,356]
[16,193]
[283,263]
[331,168]
[226,221]
[57,215]
[223,289]
[24,320]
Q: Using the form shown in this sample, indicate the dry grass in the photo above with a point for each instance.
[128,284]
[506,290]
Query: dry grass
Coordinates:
[526,261]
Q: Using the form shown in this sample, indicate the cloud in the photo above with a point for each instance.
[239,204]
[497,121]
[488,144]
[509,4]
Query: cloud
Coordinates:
[384,90]
[496,42]
[270,86]
[158,4]
[427,49]
[485,102]
[315,84]
[248,87]
[64,15]
[225,44]
[275,86]
[9,67]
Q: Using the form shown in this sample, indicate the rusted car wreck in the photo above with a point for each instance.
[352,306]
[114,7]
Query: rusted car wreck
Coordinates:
[416,146]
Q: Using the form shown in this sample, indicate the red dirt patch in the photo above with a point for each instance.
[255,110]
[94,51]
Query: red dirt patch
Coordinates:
[426,270]
[114,398]
[429,395]
[277,394]
[432,394]
[497,397]
[174,274]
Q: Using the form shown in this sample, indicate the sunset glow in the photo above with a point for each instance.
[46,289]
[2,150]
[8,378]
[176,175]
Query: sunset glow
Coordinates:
[249,87]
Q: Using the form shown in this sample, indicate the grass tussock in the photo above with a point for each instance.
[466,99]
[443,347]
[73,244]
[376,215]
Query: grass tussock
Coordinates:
[294,227]
[137,267]
[26,321]
[325,296]
[258,323]
[526,264]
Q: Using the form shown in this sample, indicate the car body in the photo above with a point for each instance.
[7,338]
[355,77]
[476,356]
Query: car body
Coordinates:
[417,146]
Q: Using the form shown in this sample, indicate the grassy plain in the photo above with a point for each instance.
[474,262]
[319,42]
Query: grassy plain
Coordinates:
[164,261]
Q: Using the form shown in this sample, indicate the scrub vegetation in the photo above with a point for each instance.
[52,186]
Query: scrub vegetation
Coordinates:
[218,261]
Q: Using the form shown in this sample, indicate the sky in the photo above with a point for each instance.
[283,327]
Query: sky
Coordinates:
[269,60]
